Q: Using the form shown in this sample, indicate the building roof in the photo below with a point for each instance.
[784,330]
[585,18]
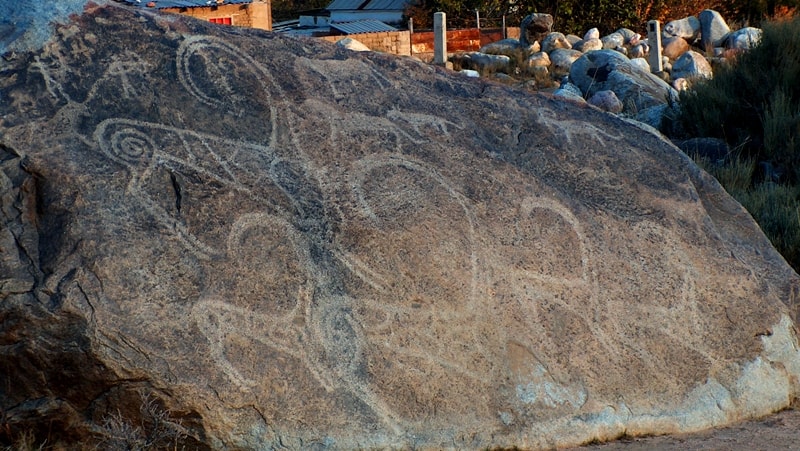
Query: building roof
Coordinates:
[362,26]
[160,4]
[352,5]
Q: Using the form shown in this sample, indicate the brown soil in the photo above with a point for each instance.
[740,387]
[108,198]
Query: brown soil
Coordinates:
[776,432]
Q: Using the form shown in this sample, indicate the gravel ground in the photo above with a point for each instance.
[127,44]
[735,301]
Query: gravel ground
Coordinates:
[780,431]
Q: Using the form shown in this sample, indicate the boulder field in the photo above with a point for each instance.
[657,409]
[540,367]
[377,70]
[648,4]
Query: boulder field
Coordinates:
[229,239]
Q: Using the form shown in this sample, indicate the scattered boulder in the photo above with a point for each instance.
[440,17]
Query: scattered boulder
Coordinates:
[673,47]
[593,33]
[713,29]
[627,34]
[561,60]
[691,66]
[352,44]
[681,84]
[613,41]
[743,39]
[606,101]
[573,39]
[534,27]
[570,91]
[508,47]
[609,70]
[538,59]
[687,28]
[486,64]
[640,50]
[555,40]
[587,45]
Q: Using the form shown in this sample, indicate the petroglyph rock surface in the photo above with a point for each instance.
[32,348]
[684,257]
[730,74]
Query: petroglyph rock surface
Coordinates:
[281,243]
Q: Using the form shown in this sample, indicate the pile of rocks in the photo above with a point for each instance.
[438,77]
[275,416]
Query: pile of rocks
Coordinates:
[612,72]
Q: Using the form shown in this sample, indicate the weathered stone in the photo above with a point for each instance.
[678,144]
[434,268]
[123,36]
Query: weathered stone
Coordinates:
[570,91]
[352,44]
[481,62]
[562,59]
[674,47]
[612,41]
[681,84]
[743,39]
[687,28]
[538,59]
[638,51]
[713,29]
[606,101]
[555,40]
[691,66]
[508,47]
[609,70]
[627,34]
[534,27]
[593,33]
[284,244]
[572,39]
[641,64]
[588,45]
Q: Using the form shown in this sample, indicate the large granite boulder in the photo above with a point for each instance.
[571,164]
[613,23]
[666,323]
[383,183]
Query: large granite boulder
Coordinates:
[230,239]
[713,29]
[609,70]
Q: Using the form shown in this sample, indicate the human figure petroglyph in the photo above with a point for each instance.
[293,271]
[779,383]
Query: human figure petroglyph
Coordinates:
[130,69]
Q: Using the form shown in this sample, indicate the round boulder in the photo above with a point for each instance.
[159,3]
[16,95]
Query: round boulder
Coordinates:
[744,39]
[593,33]
[555,40]
[606,101]
[562,59]
[569,91]
[613,41]
[691,66]
[673,47]
[587,45]
[609,70]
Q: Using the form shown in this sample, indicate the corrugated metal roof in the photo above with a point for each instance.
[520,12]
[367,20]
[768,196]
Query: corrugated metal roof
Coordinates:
[391,5]
[159,4]
[346,4]
[362,26]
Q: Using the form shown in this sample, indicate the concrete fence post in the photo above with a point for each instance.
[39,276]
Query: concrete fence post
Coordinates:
[439,39]
[654,40]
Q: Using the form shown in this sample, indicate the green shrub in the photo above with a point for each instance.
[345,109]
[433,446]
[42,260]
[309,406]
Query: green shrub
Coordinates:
[776,208]
[751,103]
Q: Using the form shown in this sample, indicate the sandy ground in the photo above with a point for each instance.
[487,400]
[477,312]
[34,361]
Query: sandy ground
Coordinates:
[780,431]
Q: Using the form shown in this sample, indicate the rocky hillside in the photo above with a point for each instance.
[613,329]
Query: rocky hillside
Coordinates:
[229,239]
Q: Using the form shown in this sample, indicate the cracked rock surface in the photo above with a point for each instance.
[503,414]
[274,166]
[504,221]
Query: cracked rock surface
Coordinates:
[233,239]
